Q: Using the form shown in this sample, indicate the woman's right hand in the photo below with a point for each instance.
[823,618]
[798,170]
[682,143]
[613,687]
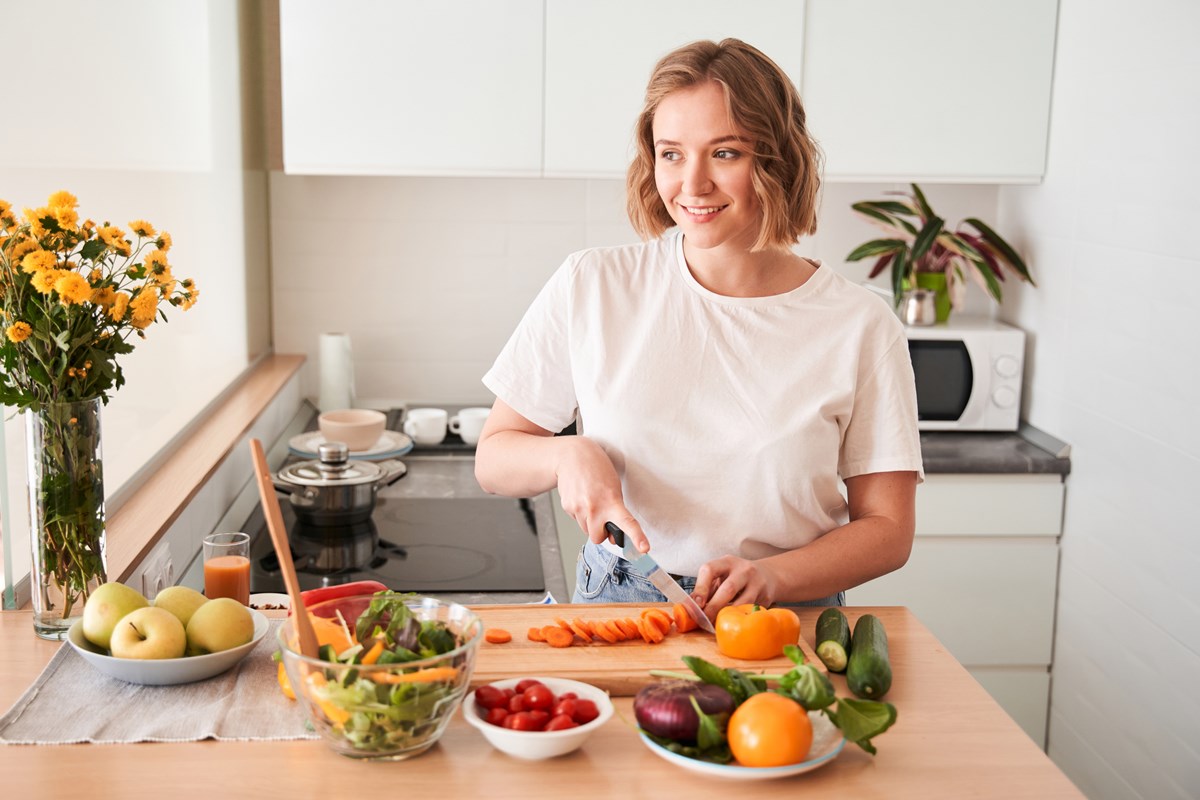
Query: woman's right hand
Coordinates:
[590,490]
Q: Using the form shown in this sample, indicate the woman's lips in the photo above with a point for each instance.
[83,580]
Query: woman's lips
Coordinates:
[702,213]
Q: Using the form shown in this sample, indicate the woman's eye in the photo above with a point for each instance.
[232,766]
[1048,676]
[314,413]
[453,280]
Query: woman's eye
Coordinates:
[727,154]
[668,155]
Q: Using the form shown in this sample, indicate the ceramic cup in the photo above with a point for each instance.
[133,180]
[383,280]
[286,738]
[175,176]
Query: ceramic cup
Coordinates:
[468,423]
[426,426]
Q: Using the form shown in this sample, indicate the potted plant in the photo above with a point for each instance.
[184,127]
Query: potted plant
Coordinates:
[923,253]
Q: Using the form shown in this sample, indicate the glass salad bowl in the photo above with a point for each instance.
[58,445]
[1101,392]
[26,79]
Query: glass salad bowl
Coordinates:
[392,670]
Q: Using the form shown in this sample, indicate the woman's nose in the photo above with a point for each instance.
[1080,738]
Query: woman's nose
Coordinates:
[696,178]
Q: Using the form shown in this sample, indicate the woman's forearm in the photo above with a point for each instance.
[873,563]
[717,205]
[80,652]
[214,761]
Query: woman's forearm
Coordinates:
[517,463]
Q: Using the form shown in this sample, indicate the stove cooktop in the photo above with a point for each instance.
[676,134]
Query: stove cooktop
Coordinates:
[421,544]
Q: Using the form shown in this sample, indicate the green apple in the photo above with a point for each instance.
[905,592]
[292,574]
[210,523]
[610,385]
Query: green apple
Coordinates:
[104,609]
[180,601]
[220,624]
[148,633]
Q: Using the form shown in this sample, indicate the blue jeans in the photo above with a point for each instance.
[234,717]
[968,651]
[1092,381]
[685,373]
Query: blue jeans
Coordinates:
[603,577]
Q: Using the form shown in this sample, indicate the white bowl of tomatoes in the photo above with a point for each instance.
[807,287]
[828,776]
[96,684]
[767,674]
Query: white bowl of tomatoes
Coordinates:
[536,718]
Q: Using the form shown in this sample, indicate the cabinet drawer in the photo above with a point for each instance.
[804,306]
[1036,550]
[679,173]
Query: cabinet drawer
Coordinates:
[990,602]
[990,505]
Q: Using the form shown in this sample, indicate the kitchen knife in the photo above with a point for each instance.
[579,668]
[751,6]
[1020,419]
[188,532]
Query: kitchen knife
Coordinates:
[658,576]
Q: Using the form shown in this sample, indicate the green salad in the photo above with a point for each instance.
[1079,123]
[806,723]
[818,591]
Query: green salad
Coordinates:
[395,709]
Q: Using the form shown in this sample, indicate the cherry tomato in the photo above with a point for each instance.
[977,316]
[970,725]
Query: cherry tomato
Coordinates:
[568,696]
[490,697]
[496,715]
[509,691]
[560,722]
[769,730]
[538,696]
[539,718]
[566,706]
[516,703]
[523,685]
[521,721]
[585,711]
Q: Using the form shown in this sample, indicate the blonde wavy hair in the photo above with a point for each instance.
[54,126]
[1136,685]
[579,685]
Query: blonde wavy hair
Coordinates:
[763,102]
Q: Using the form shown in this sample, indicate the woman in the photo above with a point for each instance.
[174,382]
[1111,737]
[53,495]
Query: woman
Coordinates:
[722,384]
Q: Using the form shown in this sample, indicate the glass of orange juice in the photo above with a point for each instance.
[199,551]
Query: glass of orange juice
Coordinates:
[227,566]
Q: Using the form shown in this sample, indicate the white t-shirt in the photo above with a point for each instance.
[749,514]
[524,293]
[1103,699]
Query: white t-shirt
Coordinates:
[729,419]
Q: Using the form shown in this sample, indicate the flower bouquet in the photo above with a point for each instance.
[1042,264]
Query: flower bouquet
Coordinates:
[72,294]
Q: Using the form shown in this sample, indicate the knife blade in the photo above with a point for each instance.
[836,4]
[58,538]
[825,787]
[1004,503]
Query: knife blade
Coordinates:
[658,576]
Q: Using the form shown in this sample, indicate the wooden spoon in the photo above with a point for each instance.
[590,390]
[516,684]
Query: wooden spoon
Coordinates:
[283,552]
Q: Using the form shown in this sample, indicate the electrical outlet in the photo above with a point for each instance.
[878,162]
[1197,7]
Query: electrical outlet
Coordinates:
[158,574]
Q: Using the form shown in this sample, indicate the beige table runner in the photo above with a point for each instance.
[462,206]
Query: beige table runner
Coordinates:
[70,702]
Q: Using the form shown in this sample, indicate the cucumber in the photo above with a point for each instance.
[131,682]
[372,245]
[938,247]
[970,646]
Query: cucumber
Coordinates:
[868,672]
[833,639]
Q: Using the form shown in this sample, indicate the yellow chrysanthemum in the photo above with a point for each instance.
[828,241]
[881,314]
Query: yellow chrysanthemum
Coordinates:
[156,262]
[72,288]
[5,207]
[163,241]
[62,199]
[38,260]
[142,228]
[190,296]
[67,217]
[104,297]
[22,248]
[143,307]
[112,235]
[95,276]
[45,279]
[18,332]
[34,217]
[88,224]
[119,306]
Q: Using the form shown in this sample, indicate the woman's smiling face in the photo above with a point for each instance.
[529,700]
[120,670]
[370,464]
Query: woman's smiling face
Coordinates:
[703,168]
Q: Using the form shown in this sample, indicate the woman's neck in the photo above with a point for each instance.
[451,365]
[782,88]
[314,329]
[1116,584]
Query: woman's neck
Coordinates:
[745,274]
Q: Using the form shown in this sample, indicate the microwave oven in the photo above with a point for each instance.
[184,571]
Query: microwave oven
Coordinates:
[968,374]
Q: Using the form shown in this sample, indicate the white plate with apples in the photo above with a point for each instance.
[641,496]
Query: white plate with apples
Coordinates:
[143,638]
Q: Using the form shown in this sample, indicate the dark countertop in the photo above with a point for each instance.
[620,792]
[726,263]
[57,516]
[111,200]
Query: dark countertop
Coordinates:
[1025,451]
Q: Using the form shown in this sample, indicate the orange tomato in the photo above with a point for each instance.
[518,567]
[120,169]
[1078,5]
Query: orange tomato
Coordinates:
[769,730]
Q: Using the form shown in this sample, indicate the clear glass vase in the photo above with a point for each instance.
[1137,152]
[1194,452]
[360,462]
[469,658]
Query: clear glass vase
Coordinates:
[66,512]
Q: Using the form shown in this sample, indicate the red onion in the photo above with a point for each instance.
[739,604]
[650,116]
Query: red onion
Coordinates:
[665,709]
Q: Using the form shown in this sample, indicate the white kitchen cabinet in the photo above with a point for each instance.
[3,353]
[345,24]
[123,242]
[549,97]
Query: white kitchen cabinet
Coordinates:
[938,90]
[599,57]
[401,87]
[983,577]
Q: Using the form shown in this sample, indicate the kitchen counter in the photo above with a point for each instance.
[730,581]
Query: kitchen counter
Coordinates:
[951,741]
[1025,451]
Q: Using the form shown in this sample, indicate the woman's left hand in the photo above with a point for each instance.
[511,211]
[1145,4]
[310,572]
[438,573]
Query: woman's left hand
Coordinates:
[730,580]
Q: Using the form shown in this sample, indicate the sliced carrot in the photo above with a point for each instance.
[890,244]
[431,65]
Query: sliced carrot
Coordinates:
[562,623]
[616,629]
[683,620]
[650,632]
[429,675]
[578,626]
[557,637]
[601,629]
[660,618]
[628,627]
[374,653]
[497,635]
[536,635]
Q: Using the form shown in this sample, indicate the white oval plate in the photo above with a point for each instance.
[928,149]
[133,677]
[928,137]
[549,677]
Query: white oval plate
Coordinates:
[827,743]
[165,671]
[390,445]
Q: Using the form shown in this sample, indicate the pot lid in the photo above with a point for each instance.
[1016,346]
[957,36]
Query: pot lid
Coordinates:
[333,468]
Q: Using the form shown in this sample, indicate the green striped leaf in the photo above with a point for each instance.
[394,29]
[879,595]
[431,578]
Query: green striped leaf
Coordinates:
[926,238]
[899,273]
[1003,248]
[922,205]
[876,247]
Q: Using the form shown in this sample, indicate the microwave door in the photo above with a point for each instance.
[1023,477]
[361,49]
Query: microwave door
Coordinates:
[945,379]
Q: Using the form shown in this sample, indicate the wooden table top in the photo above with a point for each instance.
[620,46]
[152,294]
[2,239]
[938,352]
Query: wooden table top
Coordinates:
[951,740]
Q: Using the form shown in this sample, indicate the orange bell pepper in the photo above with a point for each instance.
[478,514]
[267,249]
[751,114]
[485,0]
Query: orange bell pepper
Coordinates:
[754,632]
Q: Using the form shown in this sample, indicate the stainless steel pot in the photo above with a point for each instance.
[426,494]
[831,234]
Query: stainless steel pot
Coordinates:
[333,490]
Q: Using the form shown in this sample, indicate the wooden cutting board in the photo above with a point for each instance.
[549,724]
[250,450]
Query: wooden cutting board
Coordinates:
[620,668]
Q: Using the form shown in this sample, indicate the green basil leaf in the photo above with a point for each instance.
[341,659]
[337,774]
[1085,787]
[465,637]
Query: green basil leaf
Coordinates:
[861,720]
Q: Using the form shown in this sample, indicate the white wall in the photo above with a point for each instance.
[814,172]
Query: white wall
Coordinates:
[1113,370]
[430,276]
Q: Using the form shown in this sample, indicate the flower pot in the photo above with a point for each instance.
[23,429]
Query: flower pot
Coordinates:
[936,282]
[66,512]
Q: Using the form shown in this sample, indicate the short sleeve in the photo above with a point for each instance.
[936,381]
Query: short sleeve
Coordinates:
[533,374]
[882,434]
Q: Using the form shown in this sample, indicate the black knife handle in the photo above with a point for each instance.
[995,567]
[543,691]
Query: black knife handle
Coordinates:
[618,535]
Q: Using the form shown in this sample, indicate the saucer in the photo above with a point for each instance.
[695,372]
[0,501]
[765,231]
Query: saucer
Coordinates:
[390,445]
